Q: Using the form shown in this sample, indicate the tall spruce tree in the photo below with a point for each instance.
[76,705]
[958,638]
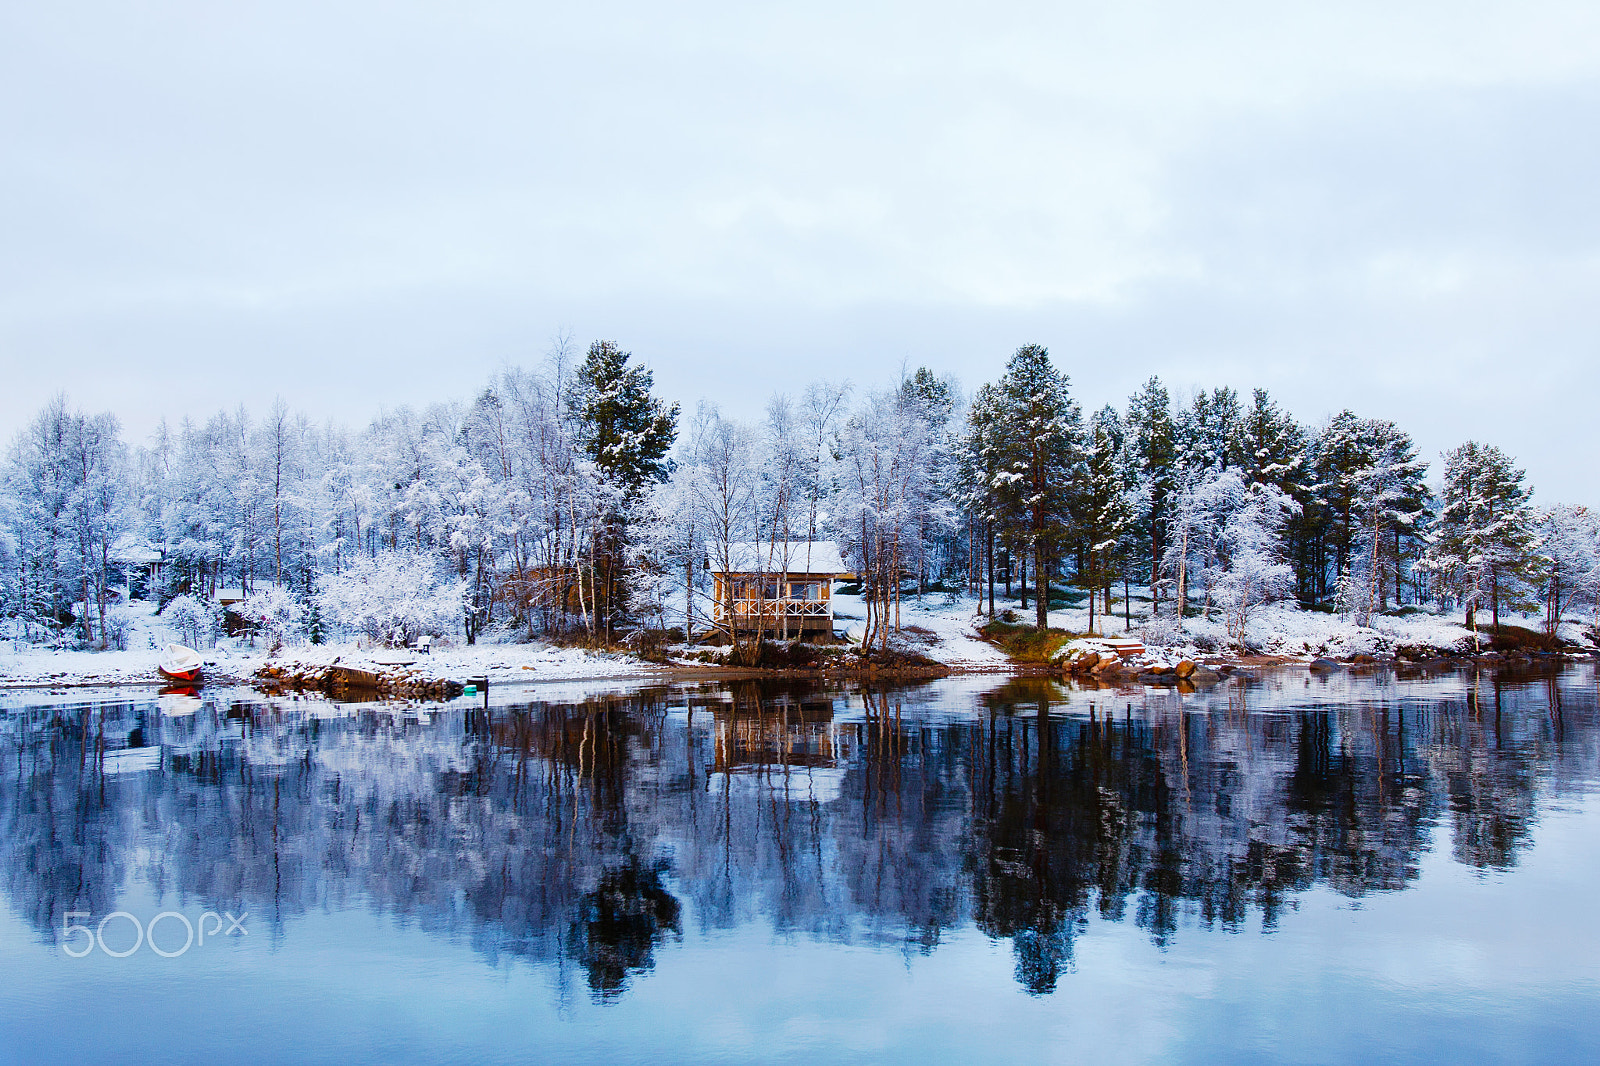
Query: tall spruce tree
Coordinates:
[1103,511]
[626,433]
[984,473]
[1483,540]
[1152,452]
[1274,446]
[1040,443]
[1210,433]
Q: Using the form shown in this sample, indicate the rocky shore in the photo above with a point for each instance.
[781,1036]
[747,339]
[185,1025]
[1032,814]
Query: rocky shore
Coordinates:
[1112,669]
[339,681]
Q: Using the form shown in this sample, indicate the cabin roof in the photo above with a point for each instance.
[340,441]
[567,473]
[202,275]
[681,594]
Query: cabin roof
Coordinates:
[134,550]
[784,556]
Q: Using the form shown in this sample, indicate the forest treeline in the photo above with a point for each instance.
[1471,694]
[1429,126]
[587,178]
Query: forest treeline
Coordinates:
[571,500]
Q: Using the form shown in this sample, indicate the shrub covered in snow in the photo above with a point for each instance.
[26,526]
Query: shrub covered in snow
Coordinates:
[273,614]
[118,625]
[195,620]
[395,597]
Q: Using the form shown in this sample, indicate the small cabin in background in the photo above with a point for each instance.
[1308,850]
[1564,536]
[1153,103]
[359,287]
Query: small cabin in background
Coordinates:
[779,587]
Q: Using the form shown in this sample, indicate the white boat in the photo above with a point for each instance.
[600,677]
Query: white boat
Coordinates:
[180,663]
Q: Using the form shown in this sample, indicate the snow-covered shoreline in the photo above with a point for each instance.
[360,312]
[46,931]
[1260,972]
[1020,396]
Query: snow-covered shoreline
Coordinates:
[942,628]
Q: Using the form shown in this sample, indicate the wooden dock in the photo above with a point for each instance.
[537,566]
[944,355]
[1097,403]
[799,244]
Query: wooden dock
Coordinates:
[350,677]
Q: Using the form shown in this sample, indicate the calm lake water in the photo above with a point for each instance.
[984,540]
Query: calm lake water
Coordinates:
[1286,869]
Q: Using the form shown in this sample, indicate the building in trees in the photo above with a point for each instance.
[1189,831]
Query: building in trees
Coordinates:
[781,588]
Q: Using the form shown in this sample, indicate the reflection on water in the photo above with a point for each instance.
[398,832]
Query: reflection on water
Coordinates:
[598,834]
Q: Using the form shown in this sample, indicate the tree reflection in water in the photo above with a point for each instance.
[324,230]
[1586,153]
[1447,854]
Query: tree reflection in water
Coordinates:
[591,832]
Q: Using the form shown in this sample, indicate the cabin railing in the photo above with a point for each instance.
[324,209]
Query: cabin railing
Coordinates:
[744,610]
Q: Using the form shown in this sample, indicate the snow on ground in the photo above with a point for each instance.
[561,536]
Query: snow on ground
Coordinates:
[1283,629]
[236,660]
[1286,630]
[500,663]
[951,623]
[941,626]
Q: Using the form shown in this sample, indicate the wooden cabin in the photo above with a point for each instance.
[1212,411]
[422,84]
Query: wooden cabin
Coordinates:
[779,587]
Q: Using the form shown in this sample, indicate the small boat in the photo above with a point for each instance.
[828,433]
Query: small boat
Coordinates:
[180,663]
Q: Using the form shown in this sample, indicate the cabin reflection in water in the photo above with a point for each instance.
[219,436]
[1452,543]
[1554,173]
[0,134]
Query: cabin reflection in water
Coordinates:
[787,743]
[582,836]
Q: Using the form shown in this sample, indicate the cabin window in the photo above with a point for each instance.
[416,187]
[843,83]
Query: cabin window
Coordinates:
[809,591]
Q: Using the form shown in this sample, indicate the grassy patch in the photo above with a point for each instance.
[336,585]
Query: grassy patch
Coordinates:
[1520,638]
[1024,643]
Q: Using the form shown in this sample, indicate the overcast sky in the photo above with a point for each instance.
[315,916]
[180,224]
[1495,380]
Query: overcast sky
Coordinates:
[1389,206]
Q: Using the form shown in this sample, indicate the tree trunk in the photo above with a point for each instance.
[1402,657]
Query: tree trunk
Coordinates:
[1091,607]
[1183,575]
[688,596]
[990,553]
[1041,584]
[1155,562]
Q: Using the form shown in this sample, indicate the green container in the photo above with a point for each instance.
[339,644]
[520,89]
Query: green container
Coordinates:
[471,690]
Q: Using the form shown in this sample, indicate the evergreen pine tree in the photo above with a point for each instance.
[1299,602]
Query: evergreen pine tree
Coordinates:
[1152,457]
[1210,434]
[1104,514]
[1040,432]
[316,631]
[1483,541]
[626,433]
[984,473]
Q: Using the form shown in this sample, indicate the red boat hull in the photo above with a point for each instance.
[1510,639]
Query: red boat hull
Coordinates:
[187,675]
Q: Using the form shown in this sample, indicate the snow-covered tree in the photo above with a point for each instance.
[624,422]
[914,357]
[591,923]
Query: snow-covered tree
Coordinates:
[67,477]
[1210,432]
[626,433]
[1104,510]
[395,597]
[1151,459]
[1389,501]
[987,479]
[1569,544]
[1248,569]
[196,621]
[1038,437]
[1226,533]
[718,477]
[1189,526]
[1482,545]
[886,496]
[274,614]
